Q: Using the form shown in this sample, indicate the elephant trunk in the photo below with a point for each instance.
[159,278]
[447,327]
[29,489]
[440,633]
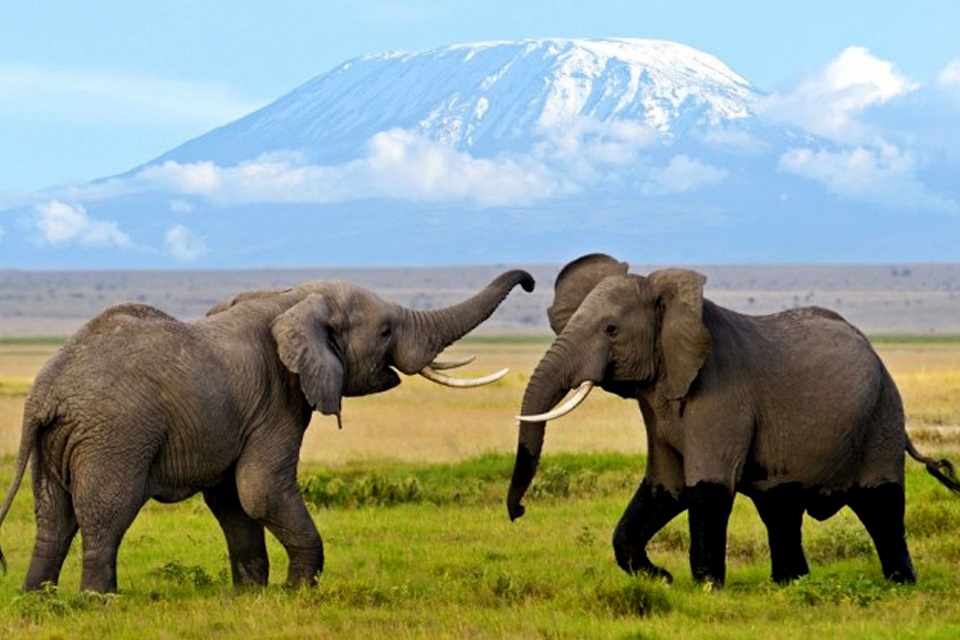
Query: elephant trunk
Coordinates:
[427,333]
[549,383]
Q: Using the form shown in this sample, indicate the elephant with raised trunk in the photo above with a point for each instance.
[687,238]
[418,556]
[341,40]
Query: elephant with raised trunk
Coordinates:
[795,410]
[138,405]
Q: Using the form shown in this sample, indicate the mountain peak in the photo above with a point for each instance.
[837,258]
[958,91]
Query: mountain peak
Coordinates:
[486,97]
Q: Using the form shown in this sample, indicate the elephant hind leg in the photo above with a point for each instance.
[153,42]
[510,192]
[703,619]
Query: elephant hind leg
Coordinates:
[649,510]
[881,509]
[249,562]
[781,510]
[56,529]
[105,508]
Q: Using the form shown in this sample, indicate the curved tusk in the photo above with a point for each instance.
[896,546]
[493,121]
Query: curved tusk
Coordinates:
[440,365]
[433,375]
[582,392]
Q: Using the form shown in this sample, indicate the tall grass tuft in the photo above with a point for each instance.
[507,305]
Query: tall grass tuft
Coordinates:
[640,597]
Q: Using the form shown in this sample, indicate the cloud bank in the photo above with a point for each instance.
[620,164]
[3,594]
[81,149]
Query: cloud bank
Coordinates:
[862,155]
[401,164]
[829,103]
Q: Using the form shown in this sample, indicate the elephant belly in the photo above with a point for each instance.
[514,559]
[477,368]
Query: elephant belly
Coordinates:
[181,469]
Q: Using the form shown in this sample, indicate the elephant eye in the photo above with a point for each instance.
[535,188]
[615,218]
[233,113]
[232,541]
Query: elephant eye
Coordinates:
[611,330]
[385,332]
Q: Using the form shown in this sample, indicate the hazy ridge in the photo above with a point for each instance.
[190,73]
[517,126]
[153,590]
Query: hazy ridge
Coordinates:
[904,298]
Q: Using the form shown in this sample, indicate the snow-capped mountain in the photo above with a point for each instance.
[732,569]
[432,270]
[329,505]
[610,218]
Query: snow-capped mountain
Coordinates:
[532,151]
[487,98]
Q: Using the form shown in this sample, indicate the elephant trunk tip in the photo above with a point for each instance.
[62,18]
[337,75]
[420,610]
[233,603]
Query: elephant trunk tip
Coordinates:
[527,282]
[515,277]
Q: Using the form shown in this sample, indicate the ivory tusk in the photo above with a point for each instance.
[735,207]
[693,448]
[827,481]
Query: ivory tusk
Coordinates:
[433,375]
[440,365]
[582,392]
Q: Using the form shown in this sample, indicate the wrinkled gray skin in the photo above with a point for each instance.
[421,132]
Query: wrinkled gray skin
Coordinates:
[794,410]
[138,405]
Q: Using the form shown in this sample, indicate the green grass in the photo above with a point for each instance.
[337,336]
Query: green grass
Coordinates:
[914,338]
[45,341]
[543,339]
[445,562]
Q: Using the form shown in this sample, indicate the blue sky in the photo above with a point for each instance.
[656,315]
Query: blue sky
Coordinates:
[93,88]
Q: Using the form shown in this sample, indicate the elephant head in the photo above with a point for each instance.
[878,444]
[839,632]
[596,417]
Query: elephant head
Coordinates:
[343,340]
[629,334]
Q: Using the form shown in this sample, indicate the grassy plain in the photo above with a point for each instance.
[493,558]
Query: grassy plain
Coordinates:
[409,498]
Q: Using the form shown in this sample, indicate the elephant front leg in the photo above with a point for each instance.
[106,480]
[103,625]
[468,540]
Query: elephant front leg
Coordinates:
[649,510]
[249,563]
[710,505]
[273,500]
[291,523]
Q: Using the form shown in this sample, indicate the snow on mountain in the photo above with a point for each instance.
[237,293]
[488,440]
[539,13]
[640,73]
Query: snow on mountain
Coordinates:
[487,98]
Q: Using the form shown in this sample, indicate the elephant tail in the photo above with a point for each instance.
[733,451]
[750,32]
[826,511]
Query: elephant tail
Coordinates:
[943,470]
[32,423]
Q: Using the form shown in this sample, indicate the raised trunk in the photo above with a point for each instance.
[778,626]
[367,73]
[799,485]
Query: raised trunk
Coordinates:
[427,333]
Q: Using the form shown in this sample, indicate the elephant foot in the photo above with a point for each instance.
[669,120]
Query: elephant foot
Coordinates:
[789,563]
[902,577]
[655,572]
[636,562]
[306,565]
[784,579]
[709,579]
[250,574]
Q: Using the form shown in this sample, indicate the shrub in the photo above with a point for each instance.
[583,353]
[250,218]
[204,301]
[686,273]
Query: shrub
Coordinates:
[368,490]
[184,575]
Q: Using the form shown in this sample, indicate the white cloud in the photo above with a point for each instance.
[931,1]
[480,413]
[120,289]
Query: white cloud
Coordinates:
[588,139]
[197,178]
[182,244]
[682,174]
[399,164]
[734,141]
[949,76]
[884,175]
[828,103]
[947,87]
[83,95]
[60,223]
[181,206]
[406,165]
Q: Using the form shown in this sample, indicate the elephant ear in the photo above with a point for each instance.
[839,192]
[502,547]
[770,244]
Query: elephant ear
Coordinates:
[575,281]
[305,344]
[684,338]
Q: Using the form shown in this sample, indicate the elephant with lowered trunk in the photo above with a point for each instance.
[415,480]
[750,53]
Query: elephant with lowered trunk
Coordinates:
[795,410]
[138,405]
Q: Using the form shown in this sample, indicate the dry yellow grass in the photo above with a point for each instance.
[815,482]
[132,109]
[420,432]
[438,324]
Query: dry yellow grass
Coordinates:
[420,421]
[426,422]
